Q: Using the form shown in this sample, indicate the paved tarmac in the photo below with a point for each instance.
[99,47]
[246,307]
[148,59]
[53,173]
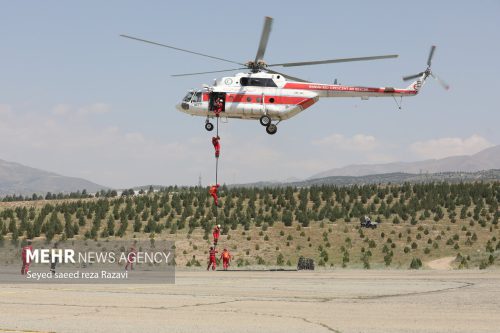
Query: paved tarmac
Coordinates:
[321,301]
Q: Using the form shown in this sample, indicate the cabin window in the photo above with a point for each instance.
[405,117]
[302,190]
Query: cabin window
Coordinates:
[249,99]
[271,100]
[257,82]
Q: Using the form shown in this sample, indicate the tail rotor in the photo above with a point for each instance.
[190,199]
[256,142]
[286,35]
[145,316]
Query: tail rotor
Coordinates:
[425,74]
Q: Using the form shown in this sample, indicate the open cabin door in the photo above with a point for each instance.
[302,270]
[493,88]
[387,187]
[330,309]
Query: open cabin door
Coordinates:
[215,98]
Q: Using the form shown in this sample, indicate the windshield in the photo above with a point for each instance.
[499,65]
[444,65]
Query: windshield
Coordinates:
[188,96]
[196,97]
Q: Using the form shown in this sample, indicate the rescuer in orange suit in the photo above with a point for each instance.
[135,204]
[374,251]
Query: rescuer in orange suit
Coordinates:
[218,106]
[211,259]
[131,258]
[24,255]
[216,143]
[216,234]
[213,193]
[226,257]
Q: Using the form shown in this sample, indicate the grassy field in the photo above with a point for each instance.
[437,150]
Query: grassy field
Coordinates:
[275,226]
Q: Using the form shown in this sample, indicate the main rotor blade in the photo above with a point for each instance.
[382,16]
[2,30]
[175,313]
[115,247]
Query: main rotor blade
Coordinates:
[431,54]
[179,49]
[200,73]
[441,82]
[264,38]
[293,78]
[411,77]
[330,61]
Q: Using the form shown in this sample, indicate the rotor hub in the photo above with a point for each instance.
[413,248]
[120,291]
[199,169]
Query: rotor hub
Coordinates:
[256,66]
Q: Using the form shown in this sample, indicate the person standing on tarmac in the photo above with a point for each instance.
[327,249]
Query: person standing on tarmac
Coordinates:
[53,261]
[226,257]
[24,256]
[131,258]
[216,143]
[211,259]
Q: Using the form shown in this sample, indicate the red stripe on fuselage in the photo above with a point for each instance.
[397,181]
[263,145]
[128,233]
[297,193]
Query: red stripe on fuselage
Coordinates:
[323,87]
[253,98]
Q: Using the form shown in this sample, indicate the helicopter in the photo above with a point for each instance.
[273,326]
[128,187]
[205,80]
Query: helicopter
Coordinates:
[270,96]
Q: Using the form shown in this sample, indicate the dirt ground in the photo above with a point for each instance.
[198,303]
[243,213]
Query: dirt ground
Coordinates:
[441,263]
[321,301]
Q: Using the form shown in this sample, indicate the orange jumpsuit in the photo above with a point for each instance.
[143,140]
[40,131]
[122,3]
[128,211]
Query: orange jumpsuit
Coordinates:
[216,234]
[26,265]
[215,142]
[225,256]
[131,258]
[218,107]
[211,260]
[213,193]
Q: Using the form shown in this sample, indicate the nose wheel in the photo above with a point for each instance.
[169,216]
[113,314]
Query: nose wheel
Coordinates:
[209,126]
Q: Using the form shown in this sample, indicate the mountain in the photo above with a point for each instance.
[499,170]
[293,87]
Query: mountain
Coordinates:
[18,179]
[386,178]
[484,160]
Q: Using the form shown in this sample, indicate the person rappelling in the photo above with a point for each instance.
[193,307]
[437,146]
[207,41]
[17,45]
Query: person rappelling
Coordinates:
[216,234]
[213,192]
[216,143]
[218,106]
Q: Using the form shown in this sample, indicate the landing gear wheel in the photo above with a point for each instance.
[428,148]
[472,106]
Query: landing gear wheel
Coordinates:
[265,120]
[209,126]
[271,129]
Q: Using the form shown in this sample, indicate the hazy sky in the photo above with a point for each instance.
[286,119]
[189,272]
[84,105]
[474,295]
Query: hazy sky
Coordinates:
[77,99]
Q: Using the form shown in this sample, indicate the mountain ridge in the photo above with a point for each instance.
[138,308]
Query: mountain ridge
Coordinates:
[19,179]
[486,159]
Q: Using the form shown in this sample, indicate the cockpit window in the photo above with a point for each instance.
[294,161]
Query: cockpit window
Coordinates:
[257,82]
[196,97]
[188,96]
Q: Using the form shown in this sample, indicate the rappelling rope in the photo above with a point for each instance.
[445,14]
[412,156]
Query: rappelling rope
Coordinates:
[217,173]
[216,158]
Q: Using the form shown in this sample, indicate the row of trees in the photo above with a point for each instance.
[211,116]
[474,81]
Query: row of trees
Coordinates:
[175,208]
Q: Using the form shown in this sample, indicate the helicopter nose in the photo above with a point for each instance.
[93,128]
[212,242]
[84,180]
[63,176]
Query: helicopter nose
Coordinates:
[183,107]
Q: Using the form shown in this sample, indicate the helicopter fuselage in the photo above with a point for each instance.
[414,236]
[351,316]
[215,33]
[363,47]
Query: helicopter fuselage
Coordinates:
[251,95]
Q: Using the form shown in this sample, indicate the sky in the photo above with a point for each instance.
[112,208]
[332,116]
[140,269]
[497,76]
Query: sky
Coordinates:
[78,100]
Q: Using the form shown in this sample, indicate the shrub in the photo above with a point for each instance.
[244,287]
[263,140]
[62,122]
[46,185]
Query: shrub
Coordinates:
[416,263]
[280,260]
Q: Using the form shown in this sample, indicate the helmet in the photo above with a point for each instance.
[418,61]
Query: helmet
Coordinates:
[218,225]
